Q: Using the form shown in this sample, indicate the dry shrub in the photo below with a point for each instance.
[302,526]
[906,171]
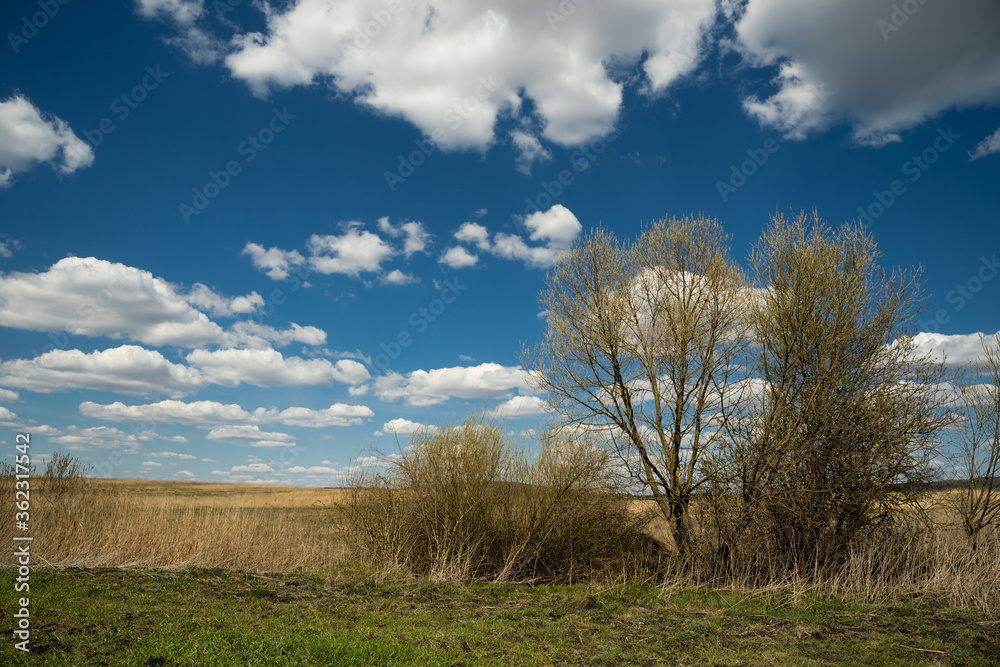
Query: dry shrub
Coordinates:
[922,552]
[466,503]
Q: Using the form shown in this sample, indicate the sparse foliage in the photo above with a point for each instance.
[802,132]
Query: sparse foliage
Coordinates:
[464,502]
[642,349]
[844,430]
[979,441]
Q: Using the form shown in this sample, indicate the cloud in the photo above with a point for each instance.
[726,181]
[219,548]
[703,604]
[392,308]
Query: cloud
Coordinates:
[8,395]
[253,467]
[173,455]
[250,334]
[473,232]
[882,78]
[7,247]
[424,388]
[269,368]
[796,109]
[276,263]
[454,68]
[555,228]
[521,406]
[94,297]
[127,369]
[206,299]
[201,47]
[957,350]
[9,419]
[27,138]
[416,236]
[352,372]
[98,437]
[529,150]
[211,413]
[252,435]
[337,414]
[197,413]
[351,253]
[400,426]
[397,277]
[987,146]
[183,12]
[458,258]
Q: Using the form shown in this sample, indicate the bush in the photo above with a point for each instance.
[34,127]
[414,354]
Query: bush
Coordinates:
[466,503]
[64,473]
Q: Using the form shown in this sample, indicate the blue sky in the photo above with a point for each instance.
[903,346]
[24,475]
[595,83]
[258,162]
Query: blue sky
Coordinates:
[242,242]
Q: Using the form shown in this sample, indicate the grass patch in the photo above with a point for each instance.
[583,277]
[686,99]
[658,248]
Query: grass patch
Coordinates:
[217,617]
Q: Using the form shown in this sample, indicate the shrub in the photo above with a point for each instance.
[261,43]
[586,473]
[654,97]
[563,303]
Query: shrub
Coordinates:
[465,503]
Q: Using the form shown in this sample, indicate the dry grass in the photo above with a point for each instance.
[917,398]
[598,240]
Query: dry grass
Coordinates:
[926,554]
[135,523]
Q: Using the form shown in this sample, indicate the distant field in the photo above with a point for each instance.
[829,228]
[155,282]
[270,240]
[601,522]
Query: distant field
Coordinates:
[201,494]
[137,523]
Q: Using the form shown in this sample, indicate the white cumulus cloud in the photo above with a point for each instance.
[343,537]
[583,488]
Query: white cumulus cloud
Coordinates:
[276,263]
[521,406]
[423,388]
[94,297]
[400,426]
[28,137]
[269,368]
[458,257]
[453,68]
[211,414]
[127,369]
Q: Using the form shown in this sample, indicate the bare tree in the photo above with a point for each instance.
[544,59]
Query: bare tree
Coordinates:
[979,440]
[643,346]
[844,430]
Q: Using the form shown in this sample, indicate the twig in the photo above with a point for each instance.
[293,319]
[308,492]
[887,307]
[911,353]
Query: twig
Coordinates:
[925,650]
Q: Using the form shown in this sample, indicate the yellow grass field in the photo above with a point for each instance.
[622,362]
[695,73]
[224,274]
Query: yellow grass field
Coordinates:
[136,523]
[271,529]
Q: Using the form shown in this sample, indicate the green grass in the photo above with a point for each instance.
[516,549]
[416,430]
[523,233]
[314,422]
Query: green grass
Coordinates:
[211,617]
